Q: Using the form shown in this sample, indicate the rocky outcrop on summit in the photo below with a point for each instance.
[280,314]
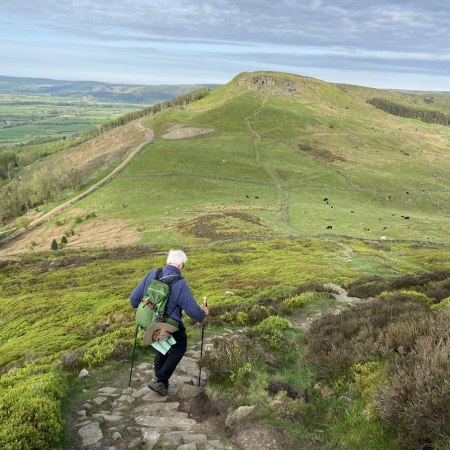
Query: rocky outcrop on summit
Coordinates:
[268,83]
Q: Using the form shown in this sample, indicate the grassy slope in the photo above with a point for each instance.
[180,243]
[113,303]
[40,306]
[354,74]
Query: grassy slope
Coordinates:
[51,304]
[291,150]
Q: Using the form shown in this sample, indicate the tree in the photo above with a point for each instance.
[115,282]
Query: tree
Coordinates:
[54,245]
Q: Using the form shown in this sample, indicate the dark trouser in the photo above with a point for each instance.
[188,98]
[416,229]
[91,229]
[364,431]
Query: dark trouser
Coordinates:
[166,364]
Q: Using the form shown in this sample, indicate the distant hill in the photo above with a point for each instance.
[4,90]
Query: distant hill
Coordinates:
[34,110]
[127,93]
[268,154]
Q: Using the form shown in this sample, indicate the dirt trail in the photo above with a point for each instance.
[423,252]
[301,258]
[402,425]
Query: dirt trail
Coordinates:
[283,190]
[149,136]
[343,301]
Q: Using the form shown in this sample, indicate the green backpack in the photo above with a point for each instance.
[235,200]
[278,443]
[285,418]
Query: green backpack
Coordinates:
[153,306]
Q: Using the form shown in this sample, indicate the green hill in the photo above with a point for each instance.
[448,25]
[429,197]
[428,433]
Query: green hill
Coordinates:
[279,155]
[262,162]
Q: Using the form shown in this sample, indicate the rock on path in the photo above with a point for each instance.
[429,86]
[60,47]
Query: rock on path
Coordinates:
[138,418]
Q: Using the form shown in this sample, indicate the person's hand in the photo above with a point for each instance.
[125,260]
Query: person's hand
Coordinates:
[205,308]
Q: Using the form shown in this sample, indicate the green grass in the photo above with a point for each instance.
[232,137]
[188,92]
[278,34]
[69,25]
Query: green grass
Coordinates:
[79,292]
[26,117]
[263,174]
[298,151]
[75,304]
[291,151]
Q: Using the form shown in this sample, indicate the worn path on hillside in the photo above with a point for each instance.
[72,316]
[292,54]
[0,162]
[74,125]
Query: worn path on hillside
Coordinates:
[120,417]
[283,189]
[149,136]
[117,417]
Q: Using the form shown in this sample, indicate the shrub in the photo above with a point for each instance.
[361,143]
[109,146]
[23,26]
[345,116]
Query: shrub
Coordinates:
[30,409]
[54,245]
[400,337]
[335,343]
[406,296]
[64,240]
[241,314]
[69,233]
[408,281]
[257,314]
[435,285]
[312,286]
[439,291]
[301,300]
[72,360]
[415,405]
[272,331]
[273,323]
[232,361]
[368,286]
[78,219]
[445,303]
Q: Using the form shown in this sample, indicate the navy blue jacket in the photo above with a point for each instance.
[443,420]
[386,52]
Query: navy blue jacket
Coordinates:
[181,298]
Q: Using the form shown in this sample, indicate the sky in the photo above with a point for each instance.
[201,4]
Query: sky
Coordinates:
[393,44]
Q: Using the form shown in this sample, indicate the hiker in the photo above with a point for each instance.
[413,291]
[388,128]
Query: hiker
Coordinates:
[180,299]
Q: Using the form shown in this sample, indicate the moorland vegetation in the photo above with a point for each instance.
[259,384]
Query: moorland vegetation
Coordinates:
[298,187]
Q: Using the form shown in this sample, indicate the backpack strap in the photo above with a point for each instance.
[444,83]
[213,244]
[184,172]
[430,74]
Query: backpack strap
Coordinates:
[158,274]
[171,283]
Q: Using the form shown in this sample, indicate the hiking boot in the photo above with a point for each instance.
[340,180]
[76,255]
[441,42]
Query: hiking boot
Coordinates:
[158,386]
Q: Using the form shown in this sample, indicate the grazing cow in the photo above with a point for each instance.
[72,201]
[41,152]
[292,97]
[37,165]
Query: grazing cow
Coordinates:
[329,227]
[406,217]
[325,199]
[353,212]
[256,196]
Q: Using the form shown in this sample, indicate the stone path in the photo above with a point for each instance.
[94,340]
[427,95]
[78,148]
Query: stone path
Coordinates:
[138,418]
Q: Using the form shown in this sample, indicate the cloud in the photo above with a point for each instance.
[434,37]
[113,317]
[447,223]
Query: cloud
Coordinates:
[393,36]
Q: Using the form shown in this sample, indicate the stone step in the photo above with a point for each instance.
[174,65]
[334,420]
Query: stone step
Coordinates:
[170,422]
[156,407]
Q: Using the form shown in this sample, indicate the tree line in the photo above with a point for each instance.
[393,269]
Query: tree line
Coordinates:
[410,112]
[177,102]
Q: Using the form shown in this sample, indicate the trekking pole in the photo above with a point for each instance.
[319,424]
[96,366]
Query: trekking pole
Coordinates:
[205,303]
[134,351]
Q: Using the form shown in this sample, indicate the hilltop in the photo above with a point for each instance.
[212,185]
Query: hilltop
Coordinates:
[266,155]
